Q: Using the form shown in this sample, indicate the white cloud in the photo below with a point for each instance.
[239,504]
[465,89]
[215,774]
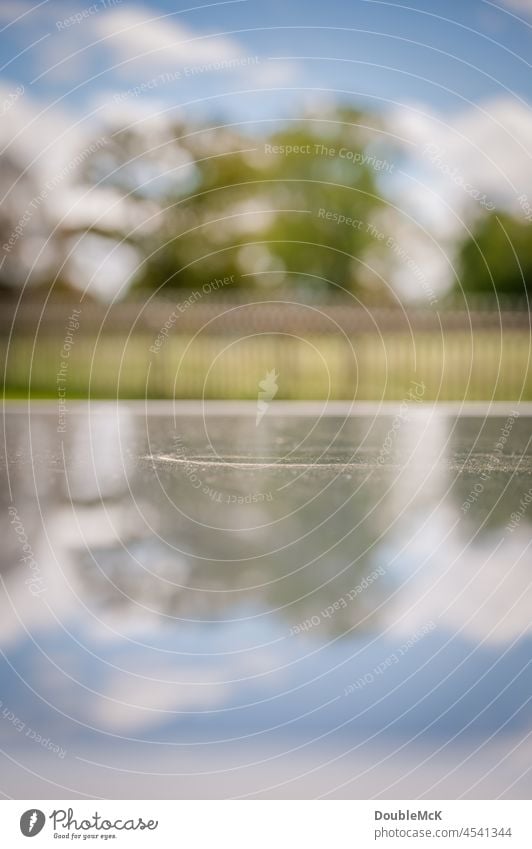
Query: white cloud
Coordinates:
[483,150]
[494,149]
[456,170]
[102,265]
[40,138]
[137,37]
[275,72]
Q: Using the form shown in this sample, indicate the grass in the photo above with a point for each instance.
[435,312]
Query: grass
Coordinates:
[455,367]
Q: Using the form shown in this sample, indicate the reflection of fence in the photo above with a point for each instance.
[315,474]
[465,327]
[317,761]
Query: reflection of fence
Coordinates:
[223,350]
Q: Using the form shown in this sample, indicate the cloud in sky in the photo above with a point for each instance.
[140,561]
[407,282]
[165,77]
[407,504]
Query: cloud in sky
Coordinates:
[456,170]
[131,42]
[111,43]
[138,38]
[94,69]
[487,145]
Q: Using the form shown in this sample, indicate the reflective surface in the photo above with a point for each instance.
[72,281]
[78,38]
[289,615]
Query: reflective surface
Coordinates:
[323,603]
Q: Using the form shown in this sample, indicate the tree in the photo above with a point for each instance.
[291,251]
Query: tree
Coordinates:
[498,259]
[291,208]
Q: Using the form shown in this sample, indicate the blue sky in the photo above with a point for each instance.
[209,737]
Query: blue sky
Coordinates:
[451,73]
[442,55]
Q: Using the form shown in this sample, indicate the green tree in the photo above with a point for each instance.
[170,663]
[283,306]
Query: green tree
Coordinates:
[290,209]
[498,259]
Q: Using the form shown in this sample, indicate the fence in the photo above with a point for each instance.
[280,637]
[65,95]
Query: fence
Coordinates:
[223,350]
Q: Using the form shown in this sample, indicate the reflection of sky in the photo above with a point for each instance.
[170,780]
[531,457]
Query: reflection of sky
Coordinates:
[444,686]
[92,663]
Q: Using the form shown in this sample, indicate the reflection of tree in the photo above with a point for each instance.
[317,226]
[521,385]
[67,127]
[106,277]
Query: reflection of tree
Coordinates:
[156,578]
[35,485]
[156,551]
[482,475]
[259,558]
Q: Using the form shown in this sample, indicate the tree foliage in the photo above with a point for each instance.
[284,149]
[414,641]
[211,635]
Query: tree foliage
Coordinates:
[289,209]
[498,258]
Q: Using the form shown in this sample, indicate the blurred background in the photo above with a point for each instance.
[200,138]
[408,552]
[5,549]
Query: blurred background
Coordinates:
[192,198]
[266,201]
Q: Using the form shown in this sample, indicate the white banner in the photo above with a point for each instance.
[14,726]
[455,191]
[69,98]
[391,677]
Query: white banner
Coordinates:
[268,824]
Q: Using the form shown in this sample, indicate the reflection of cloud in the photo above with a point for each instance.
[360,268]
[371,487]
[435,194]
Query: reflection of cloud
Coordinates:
[101,440]
[519,5]
[149,697]
[134,34]
[467,585]
[133,703]
[11,10]
[484,595]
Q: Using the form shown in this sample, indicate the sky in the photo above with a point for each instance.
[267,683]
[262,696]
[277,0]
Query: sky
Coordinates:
[451,74]
[442,55]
